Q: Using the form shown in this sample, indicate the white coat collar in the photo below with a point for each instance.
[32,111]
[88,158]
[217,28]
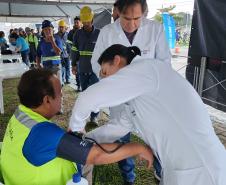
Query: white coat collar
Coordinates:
[122,34]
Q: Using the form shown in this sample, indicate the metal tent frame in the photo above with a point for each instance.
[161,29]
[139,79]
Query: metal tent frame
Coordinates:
[38,10]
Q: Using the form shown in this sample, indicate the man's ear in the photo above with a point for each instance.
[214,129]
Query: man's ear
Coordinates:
[46,100]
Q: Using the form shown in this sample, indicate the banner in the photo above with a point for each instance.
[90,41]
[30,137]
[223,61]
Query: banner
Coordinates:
[170,29]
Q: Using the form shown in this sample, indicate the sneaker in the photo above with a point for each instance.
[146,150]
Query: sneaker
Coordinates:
[67,82]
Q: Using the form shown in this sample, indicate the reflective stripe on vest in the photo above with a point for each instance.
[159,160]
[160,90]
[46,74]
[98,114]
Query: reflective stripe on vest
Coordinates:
[56,172]
[24,119]
[82,53]
[69,42]
[73,48]
[51,58]
[85,53]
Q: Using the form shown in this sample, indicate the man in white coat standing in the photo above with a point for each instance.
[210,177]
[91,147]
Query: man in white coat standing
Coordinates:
[132,28]
[170,117]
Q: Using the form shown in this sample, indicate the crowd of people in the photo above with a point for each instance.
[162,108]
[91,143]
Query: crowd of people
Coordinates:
[126,67]
[32,46]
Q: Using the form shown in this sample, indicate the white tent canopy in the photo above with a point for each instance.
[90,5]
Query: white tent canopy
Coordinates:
[38,10]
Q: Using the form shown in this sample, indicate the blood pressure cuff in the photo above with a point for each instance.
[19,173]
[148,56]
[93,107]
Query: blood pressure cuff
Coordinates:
[73,148]
[46,141]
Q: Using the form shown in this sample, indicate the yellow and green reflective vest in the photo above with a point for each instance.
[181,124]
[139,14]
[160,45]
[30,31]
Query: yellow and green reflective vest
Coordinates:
[32,39]
[16,170]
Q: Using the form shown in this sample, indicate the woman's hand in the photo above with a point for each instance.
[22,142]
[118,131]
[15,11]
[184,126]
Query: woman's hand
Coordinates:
[147,155]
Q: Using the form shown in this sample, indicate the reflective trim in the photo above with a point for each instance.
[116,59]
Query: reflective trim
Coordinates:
[24,119]
[73,48]
[86,53]
[51,58]
[69,42]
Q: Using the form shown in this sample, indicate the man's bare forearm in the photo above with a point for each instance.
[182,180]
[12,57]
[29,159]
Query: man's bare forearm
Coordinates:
[97,156]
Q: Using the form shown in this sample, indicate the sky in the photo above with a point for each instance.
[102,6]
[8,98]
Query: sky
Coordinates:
[181,6]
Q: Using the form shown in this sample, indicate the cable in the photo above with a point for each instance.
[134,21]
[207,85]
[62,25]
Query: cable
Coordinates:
[106,151]
[84,138]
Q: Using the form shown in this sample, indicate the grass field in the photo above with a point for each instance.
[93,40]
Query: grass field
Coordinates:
[104,174]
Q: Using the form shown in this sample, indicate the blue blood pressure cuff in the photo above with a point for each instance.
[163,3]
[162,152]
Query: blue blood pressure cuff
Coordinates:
[46,141]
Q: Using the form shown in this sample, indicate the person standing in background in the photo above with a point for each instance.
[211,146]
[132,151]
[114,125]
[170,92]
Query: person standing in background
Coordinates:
[82,50]
[49,49]
[115,12]
[3,42]
[22,33]
[65,62]
[21,46]
[32,41]
[71,34]
[77,26]
[38,33]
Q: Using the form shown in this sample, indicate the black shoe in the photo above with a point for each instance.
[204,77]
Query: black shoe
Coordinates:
[128,183]
[67,82]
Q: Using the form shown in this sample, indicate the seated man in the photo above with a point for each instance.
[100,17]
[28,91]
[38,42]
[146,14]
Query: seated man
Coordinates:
[34,149]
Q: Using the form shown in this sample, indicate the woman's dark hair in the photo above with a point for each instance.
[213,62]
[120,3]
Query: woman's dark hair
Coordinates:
[117,49]
[13,36]
[34,85]
[122,5]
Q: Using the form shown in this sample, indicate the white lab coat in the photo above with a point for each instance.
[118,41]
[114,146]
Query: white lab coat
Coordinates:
[150,39]
[168,115]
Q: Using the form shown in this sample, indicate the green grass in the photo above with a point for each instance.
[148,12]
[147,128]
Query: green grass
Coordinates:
[10,103]
[110,174]
[102,175]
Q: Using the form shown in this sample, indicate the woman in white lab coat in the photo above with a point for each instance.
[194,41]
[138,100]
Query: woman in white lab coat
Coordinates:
[164,110]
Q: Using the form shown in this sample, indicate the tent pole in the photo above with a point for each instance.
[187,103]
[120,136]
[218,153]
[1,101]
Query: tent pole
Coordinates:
[10,9]
[202,75]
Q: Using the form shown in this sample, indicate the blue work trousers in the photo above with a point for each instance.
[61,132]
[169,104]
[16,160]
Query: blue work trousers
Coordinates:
[25,56]
[127,166]
[65,62]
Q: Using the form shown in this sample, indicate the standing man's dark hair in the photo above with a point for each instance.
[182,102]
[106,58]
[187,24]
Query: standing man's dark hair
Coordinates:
[115,11]
[77,18]
[33,86]
[122,5]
